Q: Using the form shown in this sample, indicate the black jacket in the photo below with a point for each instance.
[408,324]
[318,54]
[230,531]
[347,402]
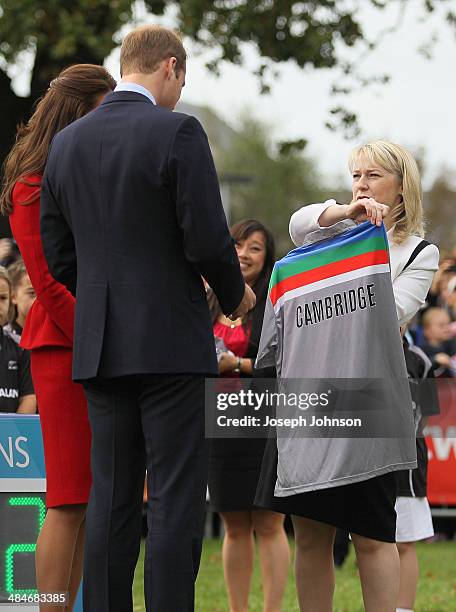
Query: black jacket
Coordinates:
[131,217]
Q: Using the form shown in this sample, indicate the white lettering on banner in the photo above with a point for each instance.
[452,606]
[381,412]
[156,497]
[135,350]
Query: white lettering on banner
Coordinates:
[7,450]
[22,451]
[9,458]
[9,393]
[443,444]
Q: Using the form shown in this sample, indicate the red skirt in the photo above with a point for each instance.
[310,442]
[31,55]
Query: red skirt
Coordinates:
[65,427]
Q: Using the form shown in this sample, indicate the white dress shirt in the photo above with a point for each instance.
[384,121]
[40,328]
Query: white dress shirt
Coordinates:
[410,286]
[124,86]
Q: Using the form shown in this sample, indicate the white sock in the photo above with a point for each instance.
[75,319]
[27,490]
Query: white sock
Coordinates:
[403,610]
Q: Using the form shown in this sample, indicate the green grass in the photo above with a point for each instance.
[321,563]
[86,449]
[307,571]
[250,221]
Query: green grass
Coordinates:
[436,591]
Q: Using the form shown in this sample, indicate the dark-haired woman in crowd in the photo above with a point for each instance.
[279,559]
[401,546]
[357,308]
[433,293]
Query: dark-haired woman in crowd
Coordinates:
[48,332]
[235,463]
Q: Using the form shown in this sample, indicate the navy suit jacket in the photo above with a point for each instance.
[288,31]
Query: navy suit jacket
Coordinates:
[131,218]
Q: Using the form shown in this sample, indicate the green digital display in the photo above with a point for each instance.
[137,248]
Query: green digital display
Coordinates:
[21,518]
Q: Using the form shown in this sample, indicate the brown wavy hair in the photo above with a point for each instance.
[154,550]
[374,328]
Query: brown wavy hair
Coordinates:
[70,96]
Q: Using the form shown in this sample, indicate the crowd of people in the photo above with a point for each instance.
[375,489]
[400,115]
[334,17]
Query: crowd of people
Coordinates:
[434,328]
[119,371]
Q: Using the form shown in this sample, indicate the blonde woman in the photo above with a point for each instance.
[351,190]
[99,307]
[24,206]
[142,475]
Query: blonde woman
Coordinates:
[386,189]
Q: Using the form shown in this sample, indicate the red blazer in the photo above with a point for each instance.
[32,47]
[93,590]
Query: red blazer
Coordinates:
[50,320]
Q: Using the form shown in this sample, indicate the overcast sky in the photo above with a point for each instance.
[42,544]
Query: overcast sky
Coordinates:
[416,109]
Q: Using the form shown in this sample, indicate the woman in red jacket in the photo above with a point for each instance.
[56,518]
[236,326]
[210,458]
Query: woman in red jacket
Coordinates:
[48,332]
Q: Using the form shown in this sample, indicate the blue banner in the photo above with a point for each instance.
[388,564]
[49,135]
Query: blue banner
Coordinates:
[21,453]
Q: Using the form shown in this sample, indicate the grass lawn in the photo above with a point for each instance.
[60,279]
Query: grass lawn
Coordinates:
[436,592]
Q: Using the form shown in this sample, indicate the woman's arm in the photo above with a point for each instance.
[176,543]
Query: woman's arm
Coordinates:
[231,363]
[412,285]
[316,216]
[58,302]
[27,397]
[306,220]
[27,404]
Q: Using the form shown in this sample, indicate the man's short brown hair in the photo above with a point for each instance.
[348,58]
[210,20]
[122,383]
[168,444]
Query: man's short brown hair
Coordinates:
[144,48]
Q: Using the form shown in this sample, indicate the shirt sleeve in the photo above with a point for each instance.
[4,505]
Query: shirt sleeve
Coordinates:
[56,235]
[267,350]
[206,239]
[305,220]
[412,285]
[58,302]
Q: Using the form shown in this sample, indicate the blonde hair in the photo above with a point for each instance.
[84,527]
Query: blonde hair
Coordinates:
[17,271]
[429,315]
[5,276]
[408,214]
[144,48]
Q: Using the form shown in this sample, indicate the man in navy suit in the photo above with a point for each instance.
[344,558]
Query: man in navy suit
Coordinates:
[131,219]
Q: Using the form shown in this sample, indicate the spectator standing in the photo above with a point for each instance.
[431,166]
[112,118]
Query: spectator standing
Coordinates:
[131,218]
[16,387]
[235,463]
[48,333]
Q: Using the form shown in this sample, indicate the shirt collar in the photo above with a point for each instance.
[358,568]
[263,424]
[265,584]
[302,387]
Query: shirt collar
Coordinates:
[390,233]
[124,86]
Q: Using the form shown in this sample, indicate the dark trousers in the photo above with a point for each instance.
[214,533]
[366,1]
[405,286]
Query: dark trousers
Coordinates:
[137,422]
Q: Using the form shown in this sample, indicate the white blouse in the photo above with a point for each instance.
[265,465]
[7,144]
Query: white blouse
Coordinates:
[410,286]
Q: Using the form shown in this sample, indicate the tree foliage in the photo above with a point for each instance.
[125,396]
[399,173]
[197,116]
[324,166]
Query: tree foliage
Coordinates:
[306,32]
[60,32]
[440,208]
[278,183]
[313,33]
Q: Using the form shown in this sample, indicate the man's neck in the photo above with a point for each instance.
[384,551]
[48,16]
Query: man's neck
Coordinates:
[145,80]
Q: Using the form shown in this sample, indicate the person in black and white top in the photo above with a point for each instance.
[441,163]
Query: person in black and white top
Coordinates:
[16,387]
[22,297]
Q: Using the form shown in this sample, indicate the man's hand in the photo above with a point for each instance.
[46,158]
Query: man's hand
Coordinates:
[367,209]
[247,303]
[227,363]
[443,360]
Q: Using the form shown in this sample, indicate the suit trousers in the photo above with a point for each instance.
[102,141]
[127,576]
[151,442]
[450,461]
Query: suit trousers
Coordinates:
[138,422]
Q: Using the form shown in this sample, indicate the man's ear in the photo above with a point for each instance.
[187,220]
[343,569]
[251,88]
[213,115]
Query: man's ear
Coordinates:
[171,65]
